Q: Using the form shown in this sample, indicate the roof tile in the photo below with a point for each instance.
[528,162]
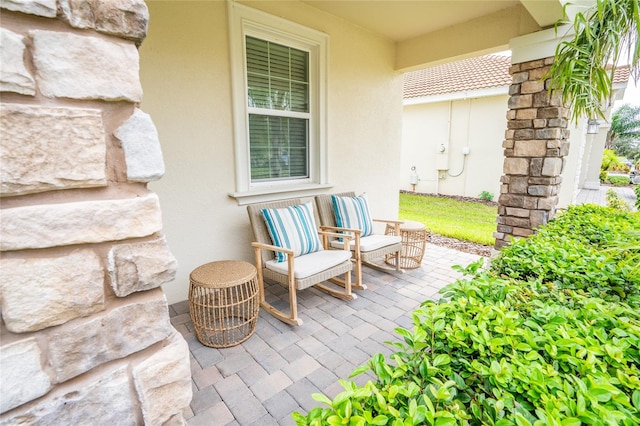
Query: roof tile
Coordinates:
[469,74]
[460,76]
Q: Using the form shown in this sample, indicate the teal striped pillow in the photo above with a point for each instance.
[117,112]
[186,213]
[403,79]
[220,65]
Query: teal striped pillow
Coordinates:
[293,228]
[353,212]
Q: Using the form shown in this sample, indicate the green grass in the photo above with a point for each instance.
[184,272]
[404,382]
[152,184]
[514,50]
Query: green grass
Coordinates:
[463,220]
[618,180]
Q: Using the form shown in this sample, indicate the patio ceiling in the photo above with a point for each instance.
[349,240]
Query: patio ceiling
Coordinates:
[429,32]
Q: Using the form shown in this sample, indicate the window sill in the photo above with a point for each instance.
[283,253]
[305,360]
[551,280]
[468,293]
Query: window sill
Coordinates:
[278,193]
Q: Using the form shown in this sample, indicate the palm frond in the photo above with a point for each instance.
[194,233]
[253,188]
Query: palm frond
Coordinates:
[581,72]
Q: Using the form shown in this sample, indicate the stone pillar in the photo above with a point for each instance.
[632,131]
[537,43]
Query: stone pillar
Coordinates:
[536,142]
[86,335]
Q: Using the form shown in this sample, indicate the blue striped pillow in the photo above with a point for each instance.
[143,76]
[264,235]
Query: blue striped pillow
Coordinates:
[293,228]
[353,212]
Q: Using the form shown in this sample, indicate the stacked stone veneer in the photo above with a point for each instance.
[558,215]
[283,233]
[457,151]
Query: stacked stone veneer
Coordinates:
[534,148]
[85,336]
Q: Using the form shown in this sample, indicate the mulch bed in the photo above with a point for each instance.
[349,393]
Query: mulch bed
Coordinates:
[454,197]
[464,246]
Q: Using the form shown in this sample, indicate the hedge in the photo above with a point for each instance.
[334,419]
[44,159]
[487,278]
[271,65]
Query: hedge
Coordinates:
[516,345]
[577,250]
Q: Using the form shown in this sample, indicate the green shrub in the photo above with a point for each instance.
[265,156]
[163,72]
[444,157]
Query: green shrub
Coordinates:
[486,195]
[603,176]
[610,160]
[617,180]
[550,335]
[501,353]
[637,190]
[572,251]
[615,202]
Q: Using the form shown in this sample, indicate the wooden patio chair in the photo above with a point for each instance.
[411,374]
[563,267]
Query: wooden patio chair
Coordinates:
[366,246]
[279,260]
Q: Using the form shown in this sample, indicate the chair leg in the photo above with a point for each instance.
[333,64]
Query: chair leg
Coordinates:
[291,319]
[347,283]
[293,298]
[394,268]
[397,256]
[258,254]
[358,283]
[357,257]
[346,294]
[354,283]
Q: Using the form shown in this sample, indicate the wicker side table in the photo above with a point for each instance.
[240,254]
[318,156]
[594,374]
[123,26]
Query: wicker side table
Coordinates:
[414,239]
[224,302]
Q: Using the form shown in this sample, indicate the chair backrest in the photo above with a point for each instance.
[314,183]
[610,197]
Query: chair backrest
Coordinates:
[325,208]
[259,227]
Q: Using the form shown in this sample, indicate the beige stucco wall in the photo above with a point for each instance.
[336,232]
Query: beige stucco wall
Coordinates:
[575,163]
[582,167]
[476,123]
[426,126]
[185,74]
[589,177]
[594,151]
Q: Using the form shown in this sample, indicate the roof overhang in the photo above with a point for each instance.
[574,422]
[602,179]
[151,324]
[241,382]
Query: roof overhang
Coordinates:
[431,32]
[458,96]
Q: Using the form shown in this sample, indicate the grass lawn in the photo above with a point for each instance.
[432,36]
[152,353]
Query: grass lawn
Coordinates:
[463,220]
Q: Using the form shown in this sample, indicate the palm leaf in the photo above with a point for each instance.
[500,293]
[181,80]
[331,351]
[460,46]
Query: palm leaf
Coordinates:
[581,72]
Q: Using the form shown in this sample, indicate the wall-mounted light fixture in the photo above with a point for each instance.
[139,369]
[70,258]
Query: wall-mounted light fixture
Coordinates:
[593,126]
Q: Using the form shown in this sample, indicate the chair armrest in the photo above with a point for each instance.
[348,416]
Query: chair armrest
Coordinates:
[259,262]
[272,248]
[345,238]
[399,222]
[336,234]
[356,232]
[394,223]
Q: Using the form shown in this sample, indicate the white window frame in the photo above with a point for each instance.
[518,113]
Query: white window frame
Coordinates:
[245,21]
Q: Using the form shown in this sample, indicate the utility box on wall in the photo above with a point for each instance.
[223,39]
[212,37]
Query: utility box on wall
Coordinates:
[442,161]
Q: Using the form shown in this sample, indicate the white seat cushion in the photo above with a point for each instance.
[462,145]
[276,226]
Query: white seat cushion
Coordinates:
[370,243]
[312,263]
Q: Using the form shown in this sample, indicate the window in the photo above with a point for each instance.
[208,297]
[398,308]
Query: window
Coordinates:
[279,94]
[278,105]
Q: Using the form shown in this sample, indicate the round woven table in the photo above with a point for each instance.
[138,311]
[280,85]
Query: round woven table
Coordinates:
[414,240]
[224,302]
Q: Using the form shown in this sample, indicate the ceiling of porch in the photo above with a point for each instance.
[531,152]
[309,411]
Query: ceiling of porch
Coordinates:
[429,32]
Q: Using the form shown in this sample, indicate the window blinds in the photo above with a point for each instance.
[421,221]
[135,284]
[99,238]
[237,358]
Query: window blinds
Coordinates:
[278,101]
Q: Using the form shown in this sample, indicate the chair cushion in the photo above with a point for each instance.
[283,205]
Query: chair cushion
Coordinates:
[294,228]
[312,263]
[353,212]
[370,243]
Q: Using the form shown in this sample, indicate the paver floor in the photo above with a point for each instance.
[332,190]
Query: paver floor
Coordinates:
[275,372]
[599,196]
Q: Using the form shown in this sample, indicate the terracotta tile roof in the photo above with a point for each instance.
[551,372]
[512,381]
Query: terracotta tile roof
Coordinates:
[622,74]
[461,76]
[470,74]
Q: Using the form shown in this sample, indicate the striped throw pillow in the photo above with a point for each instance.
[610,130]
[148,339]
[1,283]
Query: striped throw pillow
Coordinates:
[293,228]
[353,212]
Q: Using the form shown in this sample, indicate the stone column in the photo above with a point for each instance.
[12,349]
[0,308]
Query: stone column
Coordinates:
[536,142]
[86,334]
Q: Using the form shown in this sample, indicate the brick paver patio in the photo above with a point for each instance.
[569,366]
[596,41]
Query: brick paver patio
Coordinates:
[599,196]
[275,372]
